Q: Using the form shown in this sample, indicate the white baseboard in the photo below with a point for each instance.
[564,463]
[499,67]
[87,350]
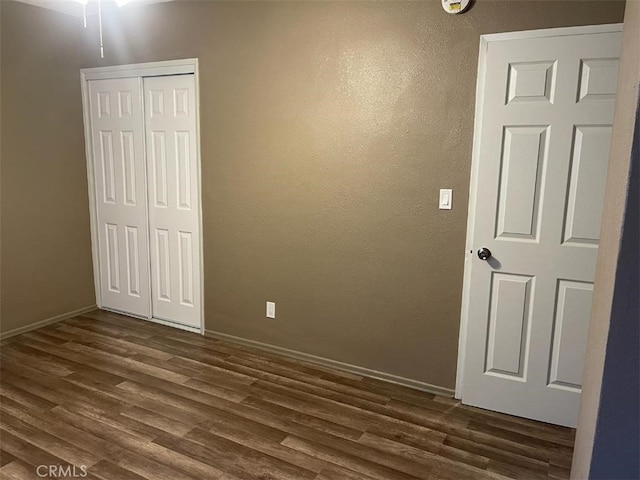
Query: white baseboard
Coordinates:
[326,362]
[45,322]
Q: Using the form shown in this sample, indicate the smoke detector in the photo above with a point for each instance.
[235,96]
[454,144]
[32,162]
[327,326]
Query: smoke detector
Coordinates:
[455,6]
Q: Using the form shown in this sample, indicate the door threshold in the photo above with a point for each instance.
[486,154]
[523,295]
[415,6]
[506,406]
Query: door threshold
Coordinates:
[168,323]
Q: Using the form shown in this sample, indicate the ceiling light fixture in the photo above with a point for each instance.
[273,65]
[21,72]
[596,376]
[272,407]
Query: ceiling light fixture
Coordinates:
[120,3]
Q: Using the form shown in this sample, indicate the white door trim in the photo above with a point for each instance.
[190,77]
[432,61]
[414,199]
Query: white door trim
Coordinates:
[485,40]
[170,67]
[151,69]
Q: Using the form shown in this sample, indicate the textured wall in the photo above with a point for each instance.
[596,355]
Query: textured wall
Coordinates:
[46,245]
[327,130]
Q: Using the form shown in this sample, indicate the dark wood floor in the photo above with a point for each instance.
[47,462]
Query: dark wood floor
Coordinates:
[130,399]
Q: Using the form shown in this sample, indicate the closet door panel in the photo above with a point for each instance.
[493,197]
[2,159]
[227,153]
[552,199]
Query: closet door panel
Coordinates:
[117,137]
[174,218]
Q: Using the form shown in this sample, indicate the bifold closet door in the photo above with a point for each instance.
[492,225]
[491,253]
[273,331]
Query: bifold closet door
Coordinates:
[170,129]
[117,131]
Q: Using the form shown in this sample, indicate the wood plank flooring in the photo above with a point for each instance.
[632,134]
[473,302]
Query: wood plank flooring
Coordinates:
[130,399]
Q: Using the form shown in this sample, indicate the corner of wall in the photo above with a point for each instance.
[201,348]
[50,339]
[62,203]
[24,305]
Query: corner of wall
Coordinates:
[611,231]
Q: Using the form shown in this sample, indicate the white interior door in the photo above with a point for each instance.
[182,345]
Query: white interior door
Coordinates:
[170,125]
[120,194]
[540,161]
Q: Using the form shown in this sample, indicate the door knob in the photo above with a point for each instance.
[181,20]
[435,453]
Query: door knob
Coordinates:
[484,253]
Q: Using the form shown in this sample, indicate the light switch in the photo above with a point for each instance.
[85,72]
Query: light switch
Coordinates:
[271,310]
[446,198]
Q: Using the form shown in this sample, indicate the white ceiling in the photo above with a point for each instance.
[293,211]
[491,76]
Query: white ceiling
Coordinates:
[71,7]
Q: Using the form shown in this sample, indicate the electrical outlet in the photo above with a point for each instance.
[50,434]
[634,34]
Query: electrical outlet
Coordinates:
[271,310]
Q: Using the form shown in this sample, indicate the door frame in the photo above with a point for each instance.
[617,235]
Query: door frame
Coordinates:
[151,69]
[485,41]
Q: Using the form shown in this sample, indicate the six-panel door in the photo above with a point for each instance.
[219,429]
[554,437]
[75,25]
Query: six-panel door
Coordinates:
[170,129]
[120,194]
[146,194]
[543,152]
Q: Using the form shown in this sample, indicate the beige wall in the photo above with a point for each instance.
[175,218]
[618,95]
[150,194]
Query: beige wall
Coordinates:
[46,246]
[615,201]
[327,130]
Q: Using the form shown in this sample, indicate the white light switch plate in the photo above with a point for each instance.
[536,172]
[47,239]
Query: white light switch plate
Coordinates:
[271,310]
[446,198]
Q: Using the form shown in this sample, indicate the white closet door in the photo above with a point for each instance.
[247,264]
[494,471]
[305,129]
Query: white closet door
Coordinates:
[170,127]
[117,134]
